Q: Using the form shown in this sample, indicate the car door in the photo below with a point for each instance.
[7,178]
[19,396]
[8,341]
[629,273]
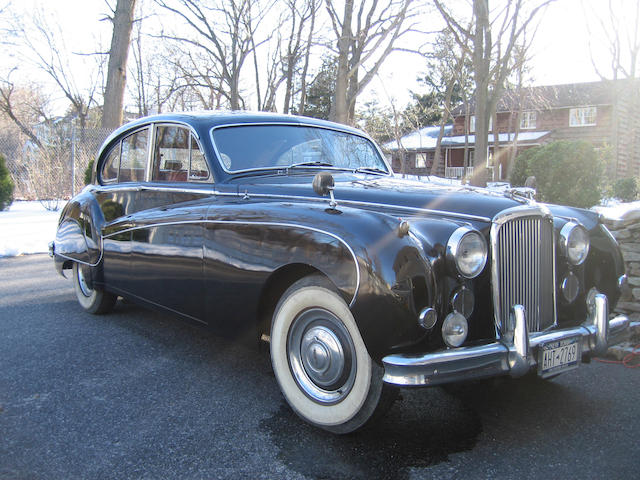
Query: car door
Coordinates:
[118,197]
[167,229]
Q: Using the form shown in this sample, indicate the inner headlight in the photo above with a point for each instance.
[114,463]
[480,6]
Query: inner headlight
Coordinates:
[574,242]
[467,252]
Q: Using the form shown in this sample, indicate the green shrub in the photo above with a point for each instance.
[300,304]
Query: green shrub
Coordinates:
[6,185]
[88,173]
[625,189]
[567,173]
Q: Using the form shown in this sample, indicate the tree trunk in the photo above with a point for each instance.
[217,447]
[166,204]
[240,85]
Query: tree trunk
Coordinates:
[481,63]
[339,108]
[116,73]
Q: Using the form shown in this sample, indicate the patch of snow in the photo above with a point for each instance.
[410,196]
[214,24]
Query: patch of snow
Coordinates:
[27,227]
[613,209]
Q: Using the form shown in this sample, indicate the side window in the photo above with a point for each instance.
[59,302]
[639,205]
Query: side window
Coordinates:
[133,159]
[111,165]
[171,154]
[177,156]
[198,169]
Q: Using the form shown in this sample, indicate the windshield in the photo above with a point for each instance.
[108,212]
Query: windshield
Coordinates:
[282,146]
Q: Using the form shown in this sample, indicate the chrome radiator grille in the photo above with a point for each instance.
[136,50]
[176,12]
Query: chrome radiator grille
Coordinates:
[523,269]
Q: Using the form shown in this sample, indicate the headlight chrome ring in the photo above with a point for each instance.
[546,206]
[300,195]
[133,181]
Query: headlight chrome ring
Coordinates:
[574,243]
[467,252]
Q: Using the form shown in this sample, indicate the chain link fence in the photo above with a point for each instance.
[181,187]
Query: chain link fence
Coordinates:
[54,169]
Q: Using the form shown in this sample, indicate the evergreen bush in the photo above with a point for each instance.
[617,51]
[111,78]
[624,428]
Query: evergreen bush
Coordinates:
[626,189]
[567,173]
[6,185]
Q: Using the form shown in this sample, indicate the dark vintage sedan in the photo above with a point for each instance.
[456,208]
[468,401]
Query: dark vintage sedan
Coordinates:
[296,231]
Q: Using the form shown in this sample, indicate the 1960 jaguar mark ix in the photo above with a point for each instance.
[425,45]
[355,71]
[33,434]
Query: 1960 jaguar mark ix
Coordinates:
[296,231]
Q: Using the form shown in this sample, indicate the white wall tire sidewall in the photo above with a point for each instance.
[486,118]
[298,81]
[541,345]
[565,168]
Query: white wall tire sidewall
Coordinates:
[86,302]
[287,311]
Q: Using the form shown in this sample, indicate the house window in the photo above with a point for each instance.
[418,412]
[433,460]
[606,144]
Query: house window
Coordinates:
[421,160]
[472,124]
[527,120]
[582,117]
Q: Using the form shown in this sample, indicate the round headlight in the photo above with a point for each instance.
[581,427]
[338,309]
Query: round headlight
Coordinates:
[574,242]
[467,252]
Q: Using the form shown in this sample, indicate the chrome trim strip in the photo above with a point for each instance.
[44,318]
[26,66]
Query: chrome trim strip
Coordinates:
[290,124]
[272,224]
[444,213]
[151,144]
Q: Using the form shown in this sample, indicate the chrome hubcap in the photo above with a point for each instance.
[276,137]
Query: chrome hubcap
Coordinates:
[82,282]
[321,356]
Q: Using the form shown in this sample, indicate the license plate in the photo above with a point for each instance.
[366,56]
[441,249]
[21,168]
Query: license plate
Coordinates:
[558,357]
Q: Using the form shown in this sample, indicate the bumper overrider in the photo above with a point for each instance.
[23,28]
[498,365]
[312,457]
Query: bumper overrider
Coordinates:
[515,356]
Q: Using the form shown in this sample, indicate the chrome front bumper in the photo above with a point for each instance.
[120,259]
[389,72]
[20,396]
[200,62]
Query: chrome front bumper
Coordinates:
[503,357]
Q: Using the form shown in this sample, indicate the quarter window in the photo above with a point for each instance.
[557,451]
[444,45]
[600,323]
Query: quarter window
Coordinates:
[111,165]
[133,159]
[582,117]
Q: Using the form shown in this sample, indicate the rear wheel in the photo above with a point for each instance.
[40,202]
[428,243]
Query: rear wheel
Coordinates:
[320,360]
[91,299]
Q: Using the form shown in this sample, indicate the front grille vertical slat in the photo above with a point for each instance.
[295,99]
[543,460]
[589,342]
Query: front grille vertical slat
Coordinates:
[524,270]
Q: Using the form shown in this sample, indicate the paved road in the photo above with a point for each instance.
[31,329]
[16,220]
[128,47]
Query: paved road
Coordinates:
[136,394]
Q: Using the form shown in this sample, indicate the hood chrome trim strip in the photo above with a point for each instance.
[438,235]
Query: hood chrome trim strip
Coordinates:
[464,216]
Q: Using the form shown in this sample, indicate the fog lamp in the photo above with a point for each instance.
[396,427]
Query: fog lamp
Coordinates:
[454,329]
[570,287]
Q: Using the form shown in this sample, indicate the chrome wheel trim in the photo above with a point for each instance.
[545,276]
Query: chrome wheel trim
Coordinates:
[82,283]
[321,356]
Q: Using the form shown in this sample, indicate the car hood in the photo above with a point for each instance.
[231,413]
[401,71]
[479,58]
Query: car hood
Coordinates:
[388,194]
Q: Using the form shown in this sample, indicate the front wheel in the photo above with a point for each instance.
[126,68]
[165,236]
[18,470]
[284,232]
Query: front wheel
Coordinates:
[91,299]
[320,360]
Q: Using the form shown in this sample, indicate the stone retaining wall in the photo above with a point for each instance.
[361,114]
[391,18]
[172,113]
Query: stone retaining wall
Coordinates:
[627,232]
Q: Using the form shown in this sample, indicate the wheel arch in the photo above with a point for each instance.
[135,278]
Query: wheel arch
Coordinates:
[277,284]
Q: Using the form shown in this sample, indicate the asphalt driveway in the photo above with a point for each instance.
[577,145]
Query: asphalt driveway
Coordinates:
[136,394]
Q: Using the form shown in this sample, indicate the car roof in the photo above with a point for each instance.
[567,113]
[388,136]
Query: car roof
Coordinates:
[209,119]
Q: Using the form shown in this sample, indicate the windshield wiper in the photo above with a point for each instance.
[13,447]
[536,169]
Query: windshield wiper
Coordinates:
[316,163]
[374,170]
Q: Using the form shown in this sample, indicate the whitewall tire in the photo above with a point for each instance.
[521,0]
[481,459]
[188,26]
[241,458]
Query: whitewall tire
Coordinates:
[320,360]
[91,299]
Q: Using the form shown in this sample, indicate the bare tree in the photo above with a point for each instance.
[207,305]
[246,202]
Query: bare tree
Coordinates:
[302,22]
[453,62]
[366,33]
[46,49]
[222,30]
[22,106]
[492,39]
[621,28]
[122,20]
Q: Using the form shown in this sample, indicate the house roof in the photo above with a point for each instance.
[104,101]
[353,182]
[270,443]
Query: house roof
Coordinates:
[558,96]
[423,139]
[426,138]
